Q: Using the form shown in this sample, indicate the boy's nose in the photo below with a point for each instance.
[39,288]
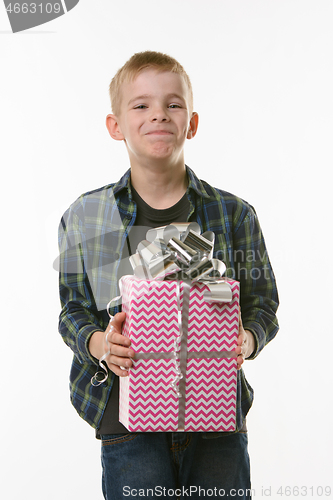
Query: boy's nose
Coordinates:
[159,115]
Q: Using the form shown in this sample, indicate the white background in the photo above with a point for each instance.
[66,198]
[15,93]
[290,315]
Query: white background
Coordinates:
[262,78]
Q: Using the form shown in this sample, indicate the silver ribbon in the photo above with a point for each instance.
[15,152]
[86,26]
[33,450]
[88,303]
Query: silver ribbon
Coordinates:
[190,355]
[183,315]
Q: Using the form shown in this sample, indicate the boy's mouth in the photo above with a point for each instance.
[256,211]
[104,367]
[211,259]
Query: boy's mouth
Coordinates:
[159,132]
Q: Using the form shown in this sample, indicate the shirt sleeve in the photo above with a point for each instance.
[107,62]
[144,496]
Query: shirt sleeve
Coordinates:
[79,315]
[259,296]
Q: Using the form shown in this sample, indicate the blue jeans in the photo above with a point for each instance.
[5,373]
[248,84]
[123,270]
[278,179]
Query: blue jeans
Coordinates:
[175,465]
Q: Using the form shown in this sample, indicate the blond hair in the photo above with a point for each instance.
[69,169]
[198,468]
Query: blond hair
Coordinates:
[139,62]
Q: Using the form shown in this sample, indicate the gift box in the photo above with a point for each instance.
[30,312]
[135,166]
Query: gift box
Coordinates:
[184,373]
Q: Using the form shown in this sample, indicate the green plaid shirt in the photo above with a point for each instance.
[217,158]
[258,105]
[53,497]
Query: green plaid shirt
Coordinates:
[93,238]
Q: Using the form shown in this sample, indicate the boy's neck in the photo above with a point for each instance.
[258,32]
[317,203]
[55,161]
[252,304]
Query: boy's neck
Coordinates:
[159,186]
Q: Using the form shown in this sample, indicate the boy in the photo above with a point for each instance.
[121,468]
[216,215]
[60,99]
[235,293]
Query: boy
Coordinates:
[152,106]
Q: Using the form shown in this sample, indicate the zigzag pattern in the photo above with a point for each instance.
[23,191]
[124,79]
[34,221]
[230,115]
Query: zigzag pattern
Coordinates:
[152,318]
[211,386]
[212,327]
[153,404]
[147,401]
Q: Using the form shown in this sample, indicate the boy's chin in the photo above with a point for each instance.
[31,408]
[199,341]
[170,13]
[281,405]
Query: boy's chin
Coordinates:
[160,154]
[162,151]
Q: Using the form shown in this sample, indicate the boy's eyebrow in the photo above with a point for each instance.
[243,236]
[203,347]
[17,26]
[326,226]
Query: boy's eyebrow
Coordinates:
[176,95]
[145,96]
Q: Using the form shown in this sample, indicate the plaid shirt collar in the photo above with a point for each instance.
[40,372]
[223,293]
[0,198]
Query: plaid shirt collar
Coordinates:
[194,183]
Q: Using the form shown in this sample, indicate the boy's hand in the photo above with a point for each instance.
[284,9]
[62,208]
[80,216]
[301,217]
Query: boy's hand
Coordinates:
[245,344]
[116,344]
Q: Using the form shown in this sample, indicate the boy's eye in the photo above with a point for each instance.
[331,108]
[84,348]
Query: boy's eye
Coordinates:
[144,106]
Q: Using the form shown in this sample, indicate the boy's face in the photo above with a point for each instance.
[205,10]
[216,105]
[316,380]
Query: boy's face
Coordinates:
[155,117]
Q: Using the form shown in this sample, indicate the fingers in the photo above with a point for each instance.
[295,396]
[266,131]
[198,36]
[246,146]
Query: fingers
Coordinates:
[115,338]
[119,365]
[245,346]
[119,359]
[240,351]
[113,331]
[117,320]
[240,361]
[241,339]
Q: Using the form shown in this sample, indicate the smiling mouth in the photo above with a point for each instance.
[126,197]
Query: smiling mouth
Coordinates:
[159,132]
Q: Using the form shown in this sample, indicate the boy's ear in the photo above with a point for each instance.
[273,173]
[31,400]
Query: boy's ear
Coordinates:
[193,127]
[113,127]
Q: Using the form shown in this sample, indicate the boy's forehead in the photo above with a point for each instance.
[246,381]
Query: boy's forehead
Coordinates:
[153,82]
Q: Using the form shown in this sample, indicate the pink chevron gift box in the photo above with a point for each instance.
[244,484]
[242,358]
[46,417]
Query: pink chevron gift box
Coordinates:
[148,399]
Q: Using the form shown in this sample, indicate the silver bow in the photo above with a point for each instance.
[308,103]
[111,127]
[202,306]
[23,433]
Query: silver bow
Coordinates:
[179,251]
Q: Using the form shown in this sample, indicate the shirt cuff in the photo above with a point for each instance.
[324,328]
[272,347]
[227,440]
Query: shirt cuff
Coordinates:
[83,344]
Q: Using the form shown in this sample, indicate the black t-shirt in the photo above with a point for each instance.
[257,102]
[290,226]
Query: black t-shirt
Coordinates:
[146,218]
